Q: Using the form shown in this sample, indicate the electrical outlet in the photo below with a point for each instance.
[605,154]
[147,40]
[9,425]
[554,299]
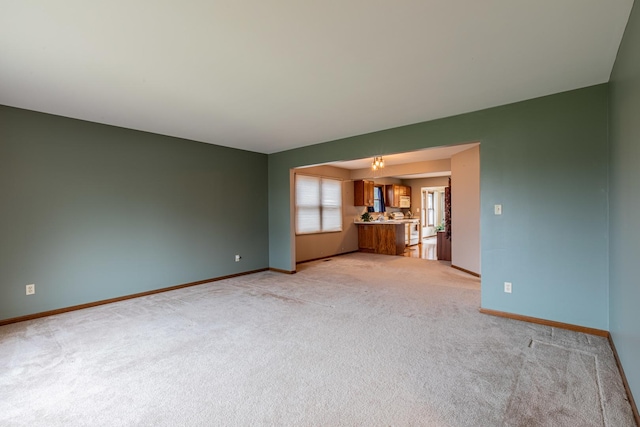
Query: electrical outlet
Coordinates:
[507,287]
[238,258]
[31,289]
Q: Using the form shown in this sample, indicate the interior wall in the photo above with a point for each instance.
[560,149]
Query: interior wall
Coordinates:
[624,202]
[313,246]
[465,210]
[416,189]
[549,151]
[92,212]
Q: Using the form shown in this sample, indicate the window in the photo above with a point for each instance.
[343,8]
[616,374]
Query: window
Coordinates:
[318,204]
[377,199]
[430,210]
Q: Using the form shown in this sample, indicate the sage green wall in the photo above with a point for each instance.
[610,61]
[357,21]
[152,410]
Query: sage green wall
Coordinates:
[624,202]
[91,212]
[545,161]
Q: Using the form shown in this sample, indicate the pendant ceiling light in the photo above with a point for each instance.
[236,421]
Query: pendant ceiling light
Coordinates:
[377,163]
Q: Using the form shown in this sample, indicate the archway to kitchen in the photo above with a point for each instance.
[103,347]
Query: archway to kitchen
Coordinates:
[412,170]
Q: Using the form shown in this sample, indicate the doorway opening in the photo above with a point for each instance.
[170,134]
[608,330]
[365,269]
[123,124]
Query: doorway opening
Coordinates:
[432,208]
[422,175]
[431,218]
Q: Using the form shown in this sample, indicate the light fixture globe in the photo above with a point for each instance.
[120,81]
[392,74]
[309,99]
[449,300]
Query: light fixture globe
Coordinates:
[378,163]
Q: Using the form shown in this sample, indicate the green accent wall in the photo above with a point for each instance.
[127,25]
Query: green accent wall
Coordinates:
[545,160]
[91,212]
[624,200]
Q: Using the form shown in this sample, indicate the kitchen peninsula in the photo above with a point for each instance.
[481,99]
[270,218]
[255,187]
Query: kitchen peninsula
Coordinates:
[381,237]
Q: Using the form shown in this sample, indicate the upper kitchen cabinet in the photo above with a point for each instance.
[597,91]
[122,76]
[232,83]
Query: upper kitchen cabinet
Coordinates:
[392,195]
[363,193]
[396,196]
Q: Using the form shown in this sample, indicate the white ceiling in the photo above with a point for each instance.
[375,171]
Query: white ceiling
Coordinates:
[408,157]
[417,156]
[272,75]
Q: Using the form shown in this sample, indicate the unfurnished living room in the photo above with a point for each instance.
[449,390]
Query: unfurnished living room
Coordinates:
[205,207]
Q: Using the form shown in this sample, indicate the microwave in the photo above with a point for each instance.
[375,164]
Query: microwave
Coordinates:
[405,202]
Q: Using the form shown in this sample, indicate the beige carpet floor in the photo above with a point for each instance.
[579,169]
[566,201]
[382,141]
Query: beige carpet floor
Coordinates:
[359,339]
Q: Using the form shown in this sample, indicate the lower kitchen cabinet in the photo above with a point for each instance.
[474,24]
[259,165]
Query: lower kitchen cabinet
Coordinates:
[366,238]
[385,239]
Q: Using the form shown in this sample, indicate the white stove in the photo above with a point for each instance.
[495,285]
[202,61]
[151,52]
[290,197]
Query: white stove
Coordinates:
[411,228]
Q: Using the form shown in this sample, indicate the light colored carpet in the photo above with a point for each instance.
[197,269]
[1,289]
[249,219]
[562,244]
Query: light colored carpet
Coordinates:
[361,339]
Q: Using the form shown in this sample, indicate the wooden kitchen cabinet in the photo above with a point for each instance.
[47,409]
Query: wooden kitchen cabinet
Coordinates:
[385,239]
[363,193]
[392,197]
[366,238]
[393,193]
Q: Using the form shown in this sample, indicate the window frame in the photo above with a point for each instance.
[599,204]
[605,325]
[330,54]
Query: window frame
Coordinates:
[431,212]
[379,188]
[321,207]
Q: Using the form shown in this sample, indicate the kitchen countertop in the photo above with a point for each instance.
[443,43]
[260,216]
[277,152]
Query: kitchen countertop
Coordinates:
[389,221]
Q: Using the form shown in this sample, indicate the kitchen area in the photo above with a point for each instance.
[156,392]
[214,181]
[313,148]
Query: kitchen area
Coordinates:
[411,186]
[388,226]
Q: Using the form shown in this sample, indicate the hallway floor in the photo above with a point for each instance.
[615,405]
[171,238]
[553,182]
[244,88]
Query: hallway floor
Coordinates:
[424,250]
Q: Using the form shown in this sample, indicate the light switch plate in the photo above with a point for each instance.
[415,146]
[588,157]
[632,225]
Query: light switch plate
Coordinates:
[497,209]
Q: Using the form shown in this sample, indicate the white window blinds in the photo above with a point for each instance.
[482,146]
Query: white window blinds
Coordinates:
[318,204]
